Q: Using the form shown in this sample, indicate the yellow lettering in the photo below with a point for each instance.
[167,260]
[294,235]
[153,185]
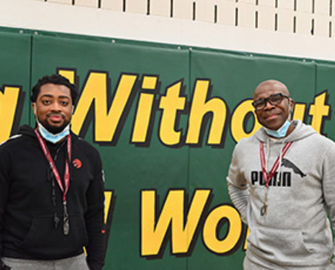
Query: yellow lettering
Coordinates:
[68,73]
[108,202]
[8,104]
[318,110]
[245,241]
[170,104]
[299,111]
[235,228]
[153,234]
[200,107]
[144,110]
[238,123]
[95,90]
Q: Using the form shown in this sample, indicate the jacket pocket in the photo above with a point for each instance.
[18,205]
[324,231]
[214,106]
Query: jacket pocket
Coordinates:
[279,245]
[44,240]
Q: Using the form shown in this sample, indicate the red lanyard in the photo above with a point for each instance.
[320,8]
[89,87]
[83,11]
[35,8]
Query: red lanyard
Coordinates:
[267,177]
[53,166]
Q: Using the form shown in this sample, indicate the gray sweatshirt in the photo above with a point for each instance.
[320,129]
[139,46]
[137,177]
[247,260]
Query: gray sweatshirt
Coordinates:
[295,232]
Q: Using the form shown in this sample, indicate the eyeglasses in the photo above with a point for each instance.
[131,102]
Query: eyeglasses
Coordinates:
[275,99]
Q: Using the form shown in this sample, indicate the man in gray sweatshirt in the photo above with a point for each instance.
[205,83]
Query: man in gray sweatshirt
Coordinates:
[282,181]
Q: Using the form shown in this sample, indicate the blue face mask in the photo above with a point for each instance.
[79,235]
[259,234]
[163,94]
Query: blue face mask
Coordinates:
[54,138]
[279,133]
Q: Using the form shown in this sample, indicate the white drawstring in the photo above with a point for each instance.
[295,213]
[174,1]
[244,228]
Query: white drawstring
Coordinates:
[267,154]
[280,161]
[268,158]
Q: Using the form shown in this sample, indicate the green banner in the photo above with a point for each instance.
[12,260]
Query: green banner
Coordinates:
[165,120]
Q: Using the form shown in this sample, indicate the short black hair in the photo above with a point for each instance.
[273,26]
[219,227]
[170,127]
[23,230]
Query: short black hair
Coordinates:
[54,79]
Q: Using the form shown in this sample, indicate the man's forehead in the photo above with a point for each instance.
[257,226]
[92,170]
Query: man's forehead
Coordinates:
[270,87]
[54,90]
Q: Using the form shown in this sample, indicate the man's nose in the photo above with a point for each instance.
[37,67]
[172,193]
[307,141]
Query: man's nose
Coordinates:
[268,105]
[56,107]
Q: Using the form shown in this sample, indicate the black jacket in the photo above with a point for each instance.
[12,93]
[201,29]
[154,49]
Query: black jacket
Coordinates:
[30,199]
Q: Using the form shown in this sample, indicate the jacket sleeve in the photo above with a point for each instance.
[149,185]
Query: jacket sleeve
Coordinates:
[4,190]
[94,218]
[329,190]
[237,186]
[240,198]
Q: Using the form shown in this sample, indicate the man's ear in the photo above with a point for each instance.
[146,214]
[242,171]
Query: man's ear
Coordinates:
[292,103]
[33,105]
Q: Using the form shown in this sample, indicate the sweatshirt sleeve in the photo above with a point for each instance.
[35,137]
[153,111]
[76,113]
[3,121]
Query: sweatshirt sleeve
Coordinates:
[329,190]
[94,218]
[237,186]
[240,198]
[4,190]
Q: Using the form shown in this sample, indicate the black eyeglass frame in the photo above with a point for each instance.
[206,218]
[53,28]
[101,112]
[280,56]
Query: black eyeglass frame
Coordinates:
[268,99]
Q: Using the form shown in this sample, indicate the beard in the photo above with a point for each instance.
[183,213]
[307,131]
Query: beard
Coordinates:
[54,129]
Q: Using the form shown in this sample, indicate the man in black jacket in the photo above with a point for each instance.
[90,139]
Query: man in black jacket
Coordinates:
[52,189]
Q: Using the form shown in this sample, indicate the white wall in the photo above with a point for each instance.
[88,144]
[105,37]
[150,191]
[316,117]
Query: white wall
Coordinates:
[280,27]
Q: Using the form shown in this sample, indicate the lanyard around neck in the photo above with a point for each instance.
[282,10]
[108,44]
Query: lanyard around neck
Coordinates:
[267,176]
[53,166]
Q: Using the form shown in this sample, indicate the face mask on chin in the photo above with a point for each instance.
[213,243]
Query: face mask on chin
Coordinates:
[53,138]
[279,133]
[49,136]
